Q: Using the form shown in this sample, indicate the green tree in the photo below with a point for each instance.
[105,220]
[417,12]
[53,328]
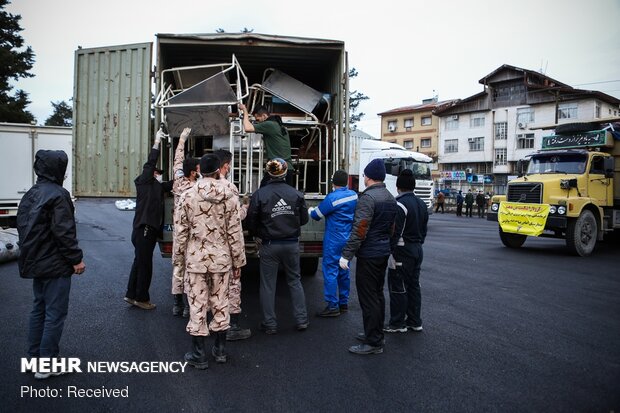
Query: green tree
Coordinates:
[355,98]
[15,63]
[62,116]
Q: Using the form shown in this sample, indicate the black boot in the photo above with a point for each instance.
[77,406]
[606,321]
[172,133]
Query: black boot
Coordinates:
[177,307]
[197,357]
[219,348]
[185,306]
[235,332]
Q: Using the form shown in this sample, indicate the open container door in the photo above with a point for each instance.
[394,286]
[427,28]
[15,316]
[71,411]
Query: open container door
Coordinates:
[111,118]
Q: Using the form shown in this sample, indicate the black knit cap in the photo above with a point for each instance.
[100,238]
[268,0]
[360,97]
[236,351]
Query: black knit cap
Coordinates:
[209,163]
[340,178]
[405,180]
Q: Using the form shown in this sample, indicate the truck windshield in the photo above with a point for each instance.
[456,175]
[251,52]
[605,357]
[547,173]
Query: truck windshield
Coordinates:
[570,163]
[420,170]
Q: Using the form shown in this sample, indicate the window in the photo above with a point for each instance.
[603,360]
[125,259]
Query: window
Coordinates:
[452,124]
[476,144]
[501,129]
[476,120]
[597,110]
[500,156]
[391,125]
[408,124]
[525,141]
[567,111]
[426,121]
[451,146]
[425,142]
[525,115]
[598,165]
[408,144]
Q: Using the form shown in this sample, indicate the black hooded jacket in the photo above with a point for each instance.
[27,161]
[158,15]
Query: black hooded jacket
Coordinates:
[46,222]
[150,195]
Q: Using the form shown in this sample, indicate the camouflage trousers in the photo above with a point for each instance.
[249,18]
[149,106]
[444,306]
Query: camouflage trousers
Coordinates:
[234,295]
[178,280]
[207,291]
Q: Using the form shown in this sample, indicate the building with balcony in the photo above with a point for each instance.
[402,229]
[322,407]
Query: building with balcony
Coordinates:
[414,127]
[482,137]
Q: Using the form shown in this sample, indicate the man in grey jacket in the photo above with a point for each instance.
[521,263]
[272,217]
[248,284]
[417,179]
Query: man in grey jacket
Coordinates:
[373,225]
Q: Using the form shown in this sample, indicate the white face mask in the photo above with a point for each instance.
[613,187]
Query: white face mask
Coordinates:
[159,178]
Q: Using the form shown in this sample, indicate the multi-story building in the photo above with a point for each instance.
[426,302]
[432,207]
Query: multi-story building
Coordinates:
[414,127]
[482,137]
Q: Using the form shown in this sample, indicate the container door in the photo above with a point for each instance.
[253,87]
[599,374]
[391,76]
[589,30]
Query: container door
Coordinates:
[111,118]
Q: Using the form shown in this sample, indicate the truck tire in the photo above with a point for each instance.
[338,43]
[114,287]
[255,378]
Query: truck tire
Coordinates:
[576,127]
[511,240]
[309,266]
[582,233]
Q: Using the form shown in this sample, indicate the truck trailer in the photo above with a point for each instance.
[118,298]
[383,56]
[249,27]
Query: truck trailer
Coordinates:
[197,82]
[570,190]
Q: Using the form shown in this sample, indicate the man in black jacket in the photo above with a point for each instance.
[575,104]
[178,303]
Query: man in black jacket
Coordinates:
[277,212]
[369,241]
[406,259]
[147,226]
[49,253]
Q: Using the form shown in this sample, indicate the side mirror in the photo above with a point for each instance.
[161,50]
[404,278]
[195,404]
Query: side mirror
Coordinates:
[520,167]
[609,167]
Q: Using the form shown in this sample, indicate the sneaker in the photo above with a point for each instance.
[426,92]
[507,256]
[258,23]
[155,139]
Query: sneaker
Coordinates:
[268,330]
[361,337]
[415,328]
[43,376]
[329,312]
[145,305]
[394,329]
[302,326]
[366,349]
[344,308]
[129,300]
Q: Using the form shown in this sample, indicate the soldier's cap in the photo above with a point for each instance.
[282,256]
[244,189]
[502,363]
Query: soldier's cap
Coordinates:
[209,164]
[276,167]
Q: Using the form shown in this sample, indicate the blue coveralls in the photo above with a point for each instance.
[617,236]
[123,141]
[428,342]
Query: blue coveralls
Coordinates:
[338,209]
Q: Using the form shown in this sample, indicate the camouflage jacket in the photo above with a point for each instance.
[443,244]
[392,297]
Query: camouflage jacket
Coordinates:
[243,211]
[208,229]
[181,182]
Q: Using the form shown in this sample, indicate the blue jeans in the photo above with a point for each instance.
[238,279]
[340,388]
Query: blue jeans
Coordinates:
[47,319]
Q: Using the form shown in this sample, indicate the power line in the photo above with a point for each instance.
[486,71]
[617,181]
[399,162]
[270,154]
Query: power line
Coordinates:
[596,83]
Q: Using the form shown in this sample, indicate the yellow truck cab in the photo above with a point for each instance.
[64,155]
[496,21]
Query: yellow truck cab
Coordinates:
[570,190]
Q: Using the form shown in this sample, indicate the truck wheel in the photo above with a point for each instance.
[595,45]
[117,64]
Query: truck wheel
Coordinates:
[309,265]
[511,240]
[576,127]
[582,233]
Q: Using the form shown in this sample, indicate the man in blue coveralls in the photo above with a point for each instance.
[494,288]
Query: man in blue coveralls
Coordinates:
[338,209]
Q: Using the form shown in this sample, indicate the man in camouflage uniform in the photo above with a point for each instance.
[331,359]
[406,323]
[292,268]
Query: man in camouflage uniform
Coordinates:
[185,174]
[235,332]
[210,248]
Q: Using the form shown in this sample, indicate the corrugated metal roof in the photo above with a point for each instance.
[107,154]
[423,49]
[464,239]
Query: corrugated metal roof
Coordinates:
[415,108]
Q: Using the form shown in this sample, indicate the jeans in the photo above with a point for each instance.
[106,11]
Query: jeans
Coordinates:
[47,319]
[272,256]
[369,281]
[404,285]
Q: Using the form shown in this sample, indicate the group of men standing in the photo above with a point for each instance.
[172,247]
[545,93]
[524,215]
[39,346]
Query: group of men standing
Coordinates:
[209,250]
[480,199]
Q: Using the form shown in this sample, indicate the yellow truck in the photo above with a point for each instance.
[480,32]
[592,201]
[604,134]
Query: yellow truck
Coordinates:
[570,190]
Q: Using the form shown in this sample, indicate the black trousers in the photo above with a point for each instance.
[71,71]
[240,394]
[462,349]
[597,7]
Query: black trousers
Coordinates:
[480,211]
[369,281]
[404,285]
[468,209]
[143,239]
[439,205]
[459,210]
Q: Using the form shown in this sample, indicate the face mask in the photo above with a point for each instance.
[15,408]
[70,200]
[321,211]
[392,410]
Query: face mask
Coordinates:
[159,178]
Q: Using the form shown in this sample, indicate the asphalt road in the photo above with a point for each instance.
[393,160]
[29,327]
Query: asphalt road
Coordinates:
[532,329]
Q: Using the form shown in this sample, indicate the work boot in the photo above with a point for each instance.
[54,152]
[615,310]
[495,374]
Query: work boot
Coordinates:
[235,332]
[219,347]
[177,307]
[197,357]
[185,306]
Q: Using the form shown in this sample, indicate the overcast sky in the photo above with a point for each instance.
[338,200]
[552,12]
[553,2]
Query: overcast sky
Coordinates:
[404,51]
